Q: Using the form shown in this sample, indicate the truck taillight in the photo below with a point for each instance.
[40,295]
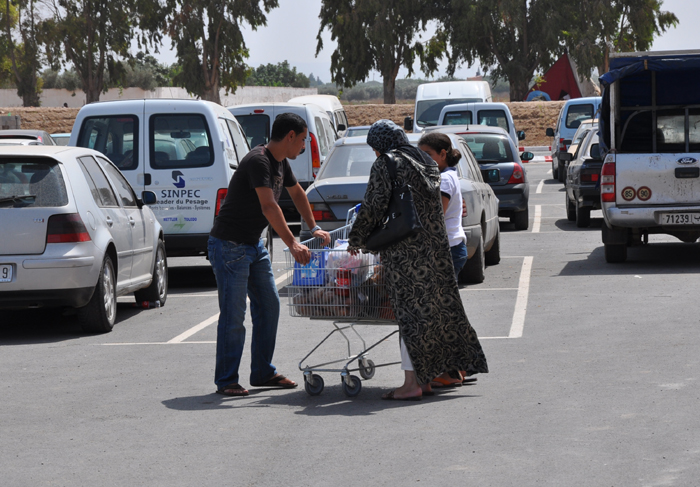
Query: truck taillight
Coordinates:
[517,176]
[607,182]
[315,155]
[562,145]
[321,212]
[68,227]
[220,197]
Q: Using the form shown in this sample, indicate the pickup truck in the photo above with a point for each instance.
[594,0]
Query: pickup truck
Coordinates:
[650,135]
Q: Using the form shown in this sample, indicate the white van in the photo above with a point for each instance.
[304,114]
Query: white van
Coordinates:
[183,150]
[331,105]
[431,98]
[256,121]
[489,114]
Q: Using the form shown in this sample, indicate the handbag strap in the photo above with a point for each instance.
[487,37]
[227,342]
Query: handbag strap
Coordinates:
[391,167]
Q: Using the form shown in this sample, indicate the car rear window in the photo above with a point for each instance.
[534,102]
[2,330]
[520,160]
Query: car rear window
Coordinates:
[493,118]
[256,128]
[348,160]
[115,136]
[180,141]
[578,113]
[461,117]
[489,147]
[428,111]
[31,183]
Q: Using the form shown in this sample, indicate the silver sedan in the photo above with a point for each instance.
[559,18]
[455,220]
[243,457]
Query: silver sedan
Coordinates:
[74,234]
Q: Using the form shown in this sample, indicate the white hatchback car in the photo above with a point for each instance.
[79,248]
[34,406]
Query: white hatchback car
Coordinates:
[74,234]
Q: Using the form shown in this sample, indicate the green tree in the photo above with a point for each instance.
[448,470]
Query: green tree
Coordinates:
[209,43]
[145,72]
[68,80]
[95,37]
[509,38]
[377,35]
[600,27]
[279,74]
[22,44]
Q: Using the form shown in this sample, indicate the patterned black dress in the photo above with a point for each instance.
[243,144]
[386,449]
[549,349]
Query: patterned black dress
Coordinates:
[419,272]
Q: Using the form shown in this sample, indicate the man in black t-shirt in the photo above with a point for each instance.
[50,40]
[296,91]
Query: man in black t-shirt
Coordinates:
[241,262]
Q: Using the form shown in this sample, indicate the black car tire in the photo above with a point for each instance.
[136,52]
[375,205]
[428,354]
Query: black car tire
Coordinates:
[521,219]
[555,172]
[99,314]
[493,255]
[570,208]
[473,270]
[615,253]
[561,173]
[158,290]
[583,216]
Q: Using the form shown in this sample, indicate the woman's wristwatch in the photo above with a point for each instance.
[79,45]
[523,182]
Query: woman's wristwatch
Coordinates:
[313,230]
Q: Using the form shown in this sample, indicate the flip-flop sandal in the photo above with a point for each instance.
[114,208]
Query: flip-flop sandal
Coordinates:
[233,390]
[389,396]
[276,381]
[469,380]
[439,382]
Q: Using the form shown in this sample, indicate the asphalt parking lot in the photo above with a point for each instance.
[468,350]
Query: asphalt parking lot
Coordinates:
[593,381]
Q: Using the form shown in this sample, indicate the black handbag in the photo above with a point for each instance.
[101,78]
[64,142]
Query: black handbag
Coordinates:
[401,220]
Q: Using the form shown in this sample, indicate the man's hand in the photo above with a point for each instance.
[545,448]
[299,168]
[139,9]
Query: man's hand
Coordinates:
[324,235]
[300,253]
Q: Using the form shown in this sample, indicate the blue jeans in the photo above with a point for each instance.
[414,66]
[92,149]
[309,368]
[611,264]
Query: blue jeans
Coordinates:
[459,257]
[244,270]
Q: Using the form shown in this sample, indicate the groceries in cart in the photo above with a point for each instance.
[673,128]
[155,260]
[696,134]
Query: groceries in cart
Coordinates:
[337,284]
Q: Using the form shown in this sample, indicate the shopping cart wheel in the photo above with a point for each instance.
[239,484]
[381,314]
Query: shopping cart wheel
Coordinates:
[354,387]
[316,388]
[367,368]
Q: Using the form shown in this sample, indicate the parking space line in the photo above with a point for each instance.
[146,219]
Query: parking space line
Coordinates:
[183,336]
[516,327]
[538,219]
[539,187]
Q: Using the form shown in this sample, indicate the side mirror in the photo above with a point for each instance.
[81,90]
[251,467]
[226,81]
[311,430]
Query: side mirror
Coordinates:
[565,156]
[521,134]
[408,124]
[491,175]
[341,127]
[527,156]
[549,132]
[148,198]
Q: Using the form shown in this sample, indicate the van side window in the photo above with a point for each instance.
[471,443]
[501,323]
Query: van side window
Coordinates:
[322,140]
[256,128]
[577,114]
[239,140]
[102,192]
[126,194]
[331,133]
[493,118]
[180,141]
[115,136]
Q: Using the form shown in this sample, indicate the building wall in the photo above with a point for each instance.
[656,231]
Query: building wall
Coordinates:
[243,95]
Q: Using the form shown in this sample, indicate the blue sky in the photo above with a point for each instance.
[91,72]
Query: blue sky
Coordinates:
[291,35]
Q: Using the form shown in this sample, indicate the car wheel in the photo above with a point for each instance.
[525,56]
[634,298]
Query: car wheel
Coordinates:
[561,173]
[583,216]
[570,208]
[99,314]
[473,270]
[615,253]
[157,292]
[493,256]
[521,219]
[555,172]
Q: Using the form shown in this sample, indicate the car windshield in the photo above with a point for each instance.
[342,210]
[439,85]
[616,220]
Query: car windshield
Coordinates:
[348,160]
[26,183]
[489,147]
[428,111]
[357,132]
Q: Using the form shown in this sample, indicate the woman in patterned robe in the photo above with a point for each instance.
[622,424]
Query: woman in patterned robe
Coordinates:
[436,336]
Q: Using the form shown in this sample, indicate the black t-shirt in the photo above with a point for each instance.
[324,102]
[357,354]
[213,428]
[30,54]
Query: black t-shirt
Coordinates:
[241,218]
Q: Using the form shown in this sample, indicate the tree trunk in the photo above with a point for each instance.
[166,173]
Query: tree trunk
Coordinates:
[519,86]
[389,83]
[211,94]
[31,98]
[92,91]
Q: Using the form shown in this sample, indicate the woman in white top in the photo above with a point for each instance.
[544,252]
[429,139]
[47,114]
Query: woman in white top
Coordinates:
[439,148]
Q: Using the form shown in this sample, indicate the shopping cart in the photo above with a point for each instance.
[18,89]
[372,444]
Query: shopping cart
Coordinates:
[347,290]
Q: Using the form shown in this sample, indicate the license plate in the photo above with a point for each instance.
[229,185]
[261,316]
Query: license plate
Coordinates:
[680,218]
[5,272]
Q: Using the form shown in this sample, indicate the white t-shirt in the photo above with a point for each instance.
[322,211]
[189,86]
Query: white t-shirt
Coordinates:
[449,187]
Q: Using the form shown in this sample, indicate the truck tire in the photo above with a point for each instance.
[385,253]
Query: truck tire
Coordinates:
[615,253]
[561,174]
[555,172]
[583,216]
[473,270]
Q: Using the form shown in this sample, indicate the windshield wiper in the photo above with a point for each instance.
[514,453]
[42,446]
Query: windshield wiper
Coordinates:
[18,199]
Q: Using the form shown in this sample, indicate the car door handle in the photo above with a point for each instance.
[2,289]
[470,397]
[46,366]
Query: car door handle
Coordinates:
[109,221]
[132,221]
